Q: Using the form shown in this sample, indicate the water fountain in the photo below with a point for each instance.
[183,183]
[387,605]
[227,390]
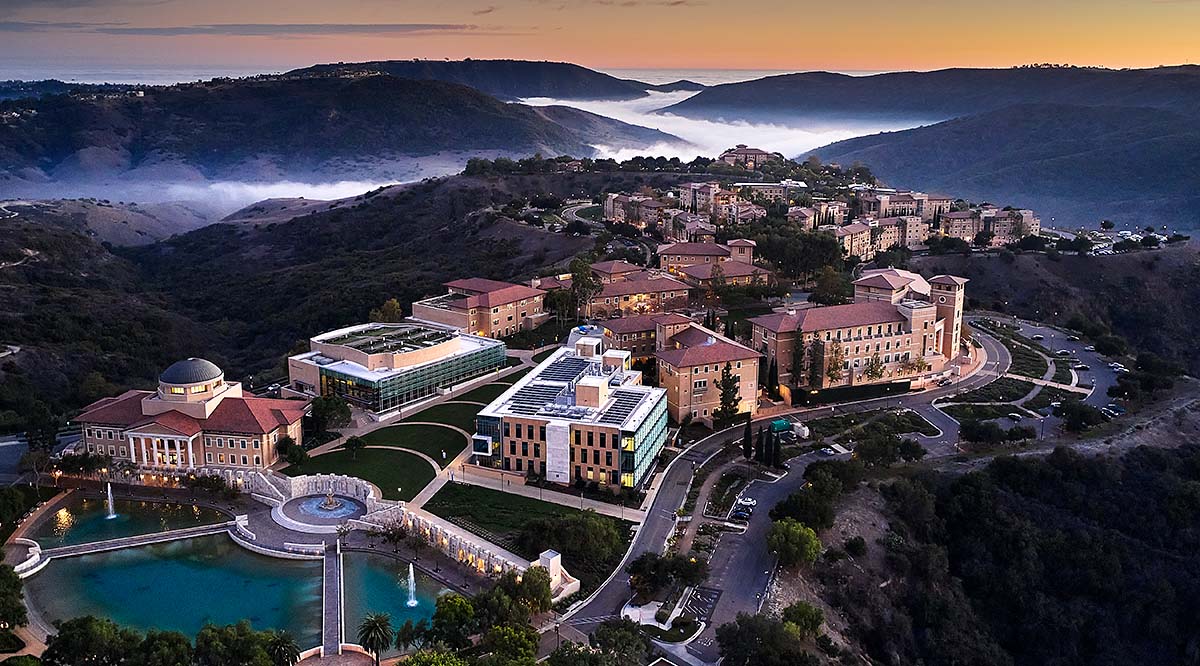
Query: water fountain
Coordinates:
[108,503]
[412,586]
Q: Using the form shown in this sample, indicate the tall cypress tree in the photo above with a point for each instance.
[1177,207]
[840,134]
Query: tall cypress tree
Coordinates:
[773,379]
[759,453]
[747,440]
[777,453]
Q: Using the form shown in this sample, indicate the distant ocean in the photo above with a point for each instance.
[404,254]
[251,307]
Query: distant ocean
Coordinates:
[167,75]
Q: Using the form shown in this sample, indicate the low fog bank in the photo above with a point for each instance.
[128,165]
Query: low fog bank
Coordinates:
[709,138]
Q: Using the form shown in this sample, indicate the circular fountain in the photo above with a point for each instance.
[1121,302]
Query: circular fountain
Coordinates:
[318,513]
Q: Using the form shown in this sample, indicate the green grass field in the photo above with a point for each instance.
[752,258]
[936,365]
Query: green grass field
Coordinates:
[502,514]
[1005,389]
[390,470]
[485,393]
[543,355]
[428,439]
[981,412]
[459,415]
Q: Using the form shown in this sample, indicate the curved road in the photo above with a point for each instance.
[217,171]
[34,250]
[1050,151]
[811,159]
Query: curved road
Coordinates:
[741,566]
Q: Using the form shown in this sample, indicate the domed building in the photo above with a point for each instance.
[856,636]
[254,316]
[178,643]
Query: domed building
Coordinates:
[195,419]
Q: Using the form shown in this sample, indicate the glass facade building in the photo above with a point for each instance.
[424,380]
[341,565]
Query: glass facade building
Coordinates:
[410,385]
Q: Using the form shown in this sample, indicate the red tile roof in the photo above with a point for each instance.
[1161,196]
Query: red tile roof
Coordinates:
[652,285]
[831,317]
[700,346]
[615,267]
[249,415]
[646,322]
[695,249]
[486,293]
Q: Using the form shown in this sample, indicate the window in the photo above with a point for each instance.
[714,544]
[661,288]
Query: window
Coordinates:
[122,451]
[595,457]
[208,457]
[200,389]
[242,442]
[244,460]
[257,461]
[529,431]
[603,440]
[519,464]
[221,458]
[512,448]
[525,448]
[542,432]
[256,444]
[608,458]
[537,450]
[506,428]
[176,390]
[590,437]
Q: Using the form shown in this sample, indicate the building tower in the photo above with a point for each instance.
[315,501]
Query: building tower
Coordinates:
[947,293]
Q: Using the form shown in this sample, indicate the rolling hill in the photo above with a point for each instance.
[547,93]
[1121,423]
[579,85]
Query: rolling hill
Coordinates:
[508,79]
[272,129]
[942,94]
[1077,164]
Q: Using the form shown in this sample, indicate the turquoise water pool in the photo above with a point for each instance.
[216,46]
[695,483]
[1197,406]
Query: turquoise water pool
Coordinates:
[182,585]
[379,584]
[84,520]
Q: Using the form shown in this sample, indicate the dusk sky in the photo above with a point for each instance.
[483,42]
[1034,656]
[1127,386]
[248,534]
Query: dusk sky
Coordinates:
[754,34]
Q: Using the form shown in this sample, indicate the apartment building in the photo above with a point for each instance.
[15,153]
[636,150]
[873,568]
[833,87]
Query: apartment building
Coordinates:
[646,293]
[690,364]
[880,204]
[675,256]
[582,415]
[804,216]
[1007,225]
[867,237]
[748,157]
[831,212]
[381,367]
[615,271]
[194,420]
[899,327]
[489,308]
[690,228]
[733,273]
[698,197]
[780,191]
[739,212]
[639,334]
[855,239]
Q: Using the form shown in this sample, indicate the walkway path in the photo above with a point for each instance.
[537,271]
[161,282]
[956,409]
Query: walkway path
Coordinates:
[331,602]
[134,541]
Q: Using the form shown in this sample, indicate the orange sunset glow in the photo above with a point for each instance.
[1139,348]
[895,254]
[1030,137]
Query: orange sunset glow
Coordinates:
[755,34]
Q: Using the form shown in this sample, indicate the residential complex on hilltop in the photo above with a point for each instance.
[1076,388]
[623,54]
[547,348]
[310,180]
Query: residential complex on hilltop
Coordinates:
[690,366]
[379,368]
[899,327]
[582,415]
[195,420]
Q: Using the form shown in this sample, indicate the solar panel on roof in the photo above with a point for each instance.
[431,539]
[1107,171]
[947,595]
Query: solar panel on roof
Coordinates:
[623,404]
[566,369]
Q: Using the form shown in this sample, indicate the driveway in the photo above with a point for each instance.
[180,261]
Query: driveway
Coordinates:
[742,565]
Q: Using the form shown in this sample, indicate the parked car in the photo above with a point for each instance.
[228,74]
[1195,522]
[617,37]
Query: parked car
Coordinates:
[945,381]
[1073,338]
[1039,336]
[1063,352]
[747,501]
[1014,416]
[740,515]
[1081,367]
[1090,348]
[827,451]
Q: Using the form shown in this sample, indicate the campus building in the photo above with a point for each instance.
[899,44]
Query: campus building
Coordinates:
[644,293]
[690,363]
[484,307]
[639,334]
[675,256]
[900,327]
[582,415]
[382,367]
[194,420]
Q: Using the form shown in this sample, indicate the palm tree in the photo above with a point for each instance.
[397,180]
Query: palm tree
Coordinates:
[375,633]
[283,649]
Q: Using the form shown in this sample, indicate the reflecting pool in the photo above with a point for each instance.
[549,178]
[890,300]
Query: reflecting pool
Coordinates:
[379,584]
[84,520]
[182,585]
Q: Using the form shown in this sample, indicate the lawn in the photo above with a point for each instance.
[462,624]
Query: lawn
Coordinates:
[548,333]
[457,414]
[981,412]
[499,517]
[1005,389]
[1049,394]
[591,212]
[485,393]
[543,355]
[390,470]
[490,513]
[1026,362]
[428,439]
[1062,373]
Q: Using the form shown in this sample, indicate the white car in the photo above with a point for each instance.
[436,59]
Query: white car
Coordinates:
[747,501]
